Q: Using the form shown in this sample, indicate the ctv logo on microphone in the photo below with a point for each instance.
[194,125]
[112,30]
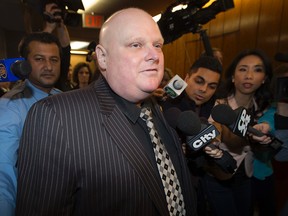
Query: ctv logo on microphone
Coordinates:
[243,122]
[203,138]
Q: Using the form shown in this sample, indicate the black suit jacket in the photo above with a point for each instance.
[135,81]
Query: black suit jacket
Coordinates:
[79,156]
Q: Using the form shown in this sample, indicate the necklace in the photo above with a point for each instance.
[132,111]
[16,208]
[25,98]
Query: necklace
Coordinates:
[234,103]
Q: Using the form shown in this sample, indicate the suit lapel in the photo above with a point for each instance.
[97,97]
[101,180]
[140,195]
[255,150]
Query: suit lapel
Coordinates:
[121,132]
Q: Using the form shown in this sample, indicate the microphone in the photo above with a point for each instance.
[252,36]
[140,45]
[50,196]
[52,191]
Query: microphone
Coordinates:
[175,86]
[238,121]
[14,69]
[21,69]
[199,135]
[171,115]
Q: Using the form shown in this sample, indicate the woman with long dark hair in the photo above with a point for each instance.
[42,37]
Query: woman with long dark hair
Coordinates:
[246,84]
[82,75]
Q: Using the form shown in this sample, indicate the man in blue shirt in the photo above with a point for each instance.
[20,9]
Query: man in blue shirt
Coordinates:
[43,52]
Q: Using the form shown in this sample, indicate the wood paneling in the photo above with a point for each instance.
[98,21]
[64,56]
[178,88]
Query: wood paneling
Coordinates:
[283,33]
[269,26]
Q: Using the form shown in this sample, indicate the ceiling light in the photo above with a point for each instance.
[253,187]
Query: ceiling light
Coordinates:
[79,52]
[88,4]
[76,45]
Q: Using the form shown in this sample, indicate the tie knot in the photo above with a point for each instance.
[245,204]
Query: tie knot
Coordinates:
[146,113]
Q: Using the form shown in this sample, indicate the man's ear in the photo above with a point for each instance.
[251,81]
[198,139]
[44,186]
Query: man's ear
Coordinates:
[101,55]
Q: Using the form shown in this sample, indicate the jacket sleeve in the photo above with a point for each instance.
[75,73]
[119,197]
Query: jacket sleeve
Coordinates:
[44,165]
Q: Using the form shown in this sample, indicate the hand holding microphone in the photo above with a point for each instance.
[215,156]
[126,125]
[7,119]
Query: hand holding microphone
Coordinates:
[264,128]
[238,121]
[199,136]
[203,139]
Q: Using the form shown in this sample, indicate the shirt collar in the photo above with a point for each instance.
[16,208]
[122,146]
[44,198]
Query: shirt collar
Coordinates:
[39,94]
[53,90]
[131,110]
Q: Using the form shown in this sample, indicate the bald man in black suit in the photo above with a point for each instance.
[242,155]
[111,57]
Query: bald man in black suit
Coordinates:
[87,152]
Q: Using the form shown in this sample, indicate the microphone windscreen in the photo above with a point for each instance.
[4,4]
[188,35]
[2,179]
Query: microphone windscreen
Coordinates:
[21,69]
[189,123]
[171,116]
[223,114]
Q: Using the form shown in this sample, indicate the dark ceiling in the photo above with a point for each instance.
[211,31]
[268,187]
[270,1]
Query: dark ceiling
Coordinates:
[12,14]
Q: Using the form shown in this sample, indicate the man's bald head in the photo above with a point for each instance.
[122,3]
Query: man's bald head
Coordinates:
[129,54]
[114,25]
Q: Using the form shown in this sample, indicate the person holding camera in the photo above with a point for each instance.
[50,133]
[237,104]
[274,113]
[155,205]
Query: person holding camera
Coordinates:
[54,24]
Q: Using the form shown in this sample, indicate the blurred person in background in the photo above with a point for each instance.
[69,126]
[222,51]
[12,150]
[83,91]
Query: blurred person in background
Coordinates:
[81,75]
[217,53]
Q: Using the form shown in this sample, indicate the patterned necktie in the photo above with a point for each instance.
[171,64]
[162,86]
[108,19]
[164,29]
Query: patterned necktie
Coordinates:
[165,166]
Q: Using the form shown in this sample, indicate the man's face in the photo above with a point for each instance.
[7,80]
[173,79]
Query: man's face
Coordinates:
[134,61]
[202,84]
[45,62]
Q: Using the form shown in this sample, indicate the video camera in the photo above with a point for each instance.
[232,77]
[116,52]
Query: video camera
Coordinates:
[13,69]
[69,16]
[91,50]
[174,24]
